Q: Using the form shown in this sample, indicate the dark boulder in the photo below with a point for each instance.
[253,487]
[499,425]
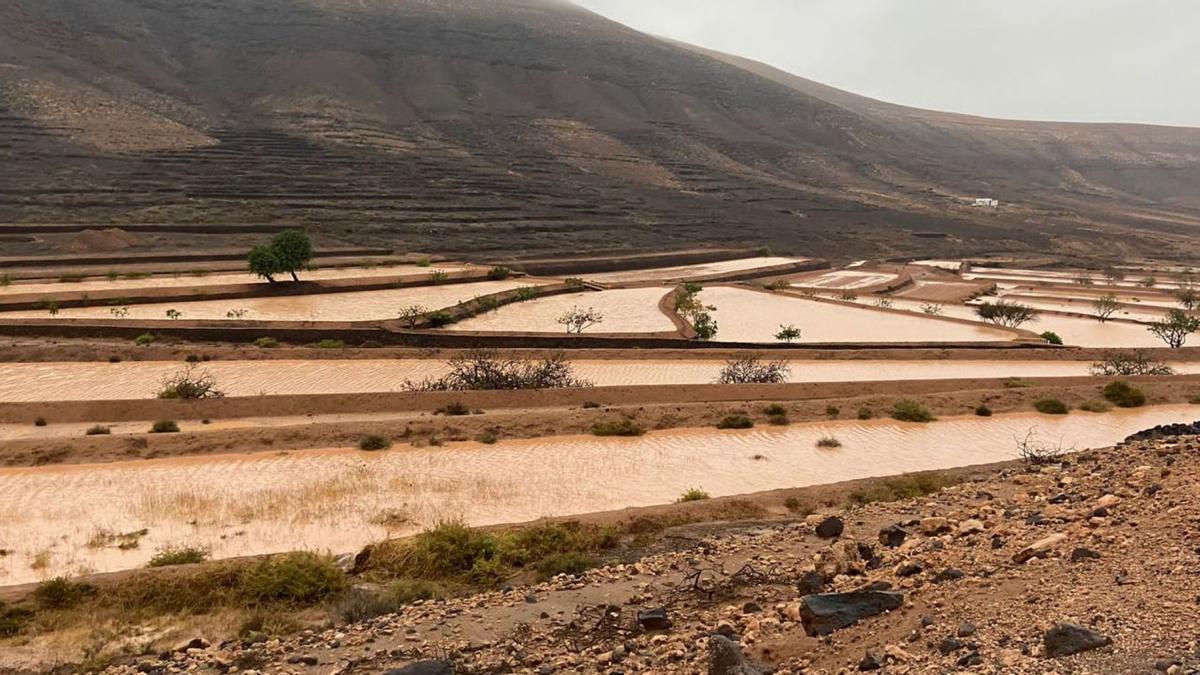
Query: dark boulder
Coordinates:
[831,527]
[892,536]
[822,614]
[725,658]
[1081,554]
[654,619]
[811,583]
[439,667]
[1065,639]
[870,661]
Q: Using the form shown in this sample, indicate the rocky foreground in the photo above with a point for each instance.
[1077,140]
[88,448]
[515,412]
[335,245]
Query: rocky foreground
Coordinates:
[1088,564]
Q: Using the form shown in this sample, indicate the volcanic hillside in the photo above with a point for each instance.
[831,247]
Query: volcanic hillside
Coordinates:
[489,126]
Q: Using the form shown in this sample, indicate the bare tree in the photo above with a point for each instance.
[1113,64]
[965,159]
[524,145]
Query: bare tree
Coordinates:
[1037,453]
[753,370]
[190,384]
[1105,306]
[1007,314]
[485,370]
[1129,363]
[1188,298]
[578,320]
[412,314]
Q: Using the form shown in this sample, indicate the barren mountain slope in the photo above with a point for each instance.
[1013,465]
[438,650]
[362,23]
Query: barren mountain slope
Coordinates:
[474,126]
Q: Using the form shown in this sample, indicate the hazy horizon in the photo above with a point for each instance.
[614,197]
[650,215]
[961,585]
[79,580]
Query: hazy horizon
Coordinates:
[1062,60]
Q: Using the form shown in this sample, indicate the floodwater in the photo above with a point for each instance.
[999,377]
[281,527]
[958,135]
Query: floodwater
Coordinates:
[1147,299]
[751,316]
[350,306]
[1076,331]
[846,280]
[216,279]
[94,381]
[952,265]
[1063,277]
[61,520]
[683,272]
[1084,306]
[627,310]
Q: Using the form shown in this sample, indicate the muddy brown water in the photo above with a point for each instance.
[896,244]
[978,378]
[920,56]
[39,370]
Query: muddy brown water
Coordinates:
[751,316]
[690,271]
[350,306]
[90,381]
[632,310]
[60,520]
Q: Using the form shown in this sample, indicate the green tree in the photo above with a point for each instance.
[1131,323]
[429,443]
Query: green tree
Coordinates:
[294,251]
[1175,327]
[264,263]
[788,333]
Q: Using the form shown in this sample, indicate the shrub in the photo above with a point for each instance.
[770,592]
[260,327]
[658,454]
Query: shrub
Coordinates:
[374,442]
[788,333]
[693,495]
[483,370]
[1095,407]
[98,430]
[832,411]
[1050,406]
[574,282]
[266,343]
[907,410]
[573,564]
[735,422]
[488,437]
[774,409]
[1006,313]
[1037,454]
[190,384]
[13,620]
[621,427]
[178,555]
[865,413]
[779,420]
[1195,400]
[899,488]
[1124,395]
[576,320]
[114,359]
[753,370]
[499,273]
[983,411]
[408,591]
[60,593]
[328,343]
[297,579]
[144,339]
[165,427]
[1052,337]
[440,319]
[1129,364]
[39,422]
[424,262]
[828,442]
[588,405]
[1175,327]
[455,409]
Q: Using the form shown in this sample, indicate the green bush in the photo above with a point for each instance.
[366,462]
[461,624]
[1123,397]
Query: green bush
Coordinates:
[899,488]
[329,344]
[907,410]
[1052,337]
[983,411]
[828,442]
[621,427]
[374,442]
[440,319]
[1051,406]
[61,593]
[1095,407]
[865,413]
[779,420]
[488,437]
[98,430]
[144,339]
[266,343]
[693,495]
[298,579]
[774,409]
[1124,395]
[573,564]
[178,555]
[13,620]
[165,427]
[498,273]
[735,422]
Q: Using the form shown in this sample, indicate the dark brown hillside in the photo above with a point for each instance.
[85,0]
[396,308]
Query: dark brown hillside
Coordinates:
[486,127]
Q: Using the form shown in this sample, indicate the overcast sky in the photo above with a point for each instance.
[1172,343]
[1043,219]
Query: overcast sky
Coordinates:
[1078,60]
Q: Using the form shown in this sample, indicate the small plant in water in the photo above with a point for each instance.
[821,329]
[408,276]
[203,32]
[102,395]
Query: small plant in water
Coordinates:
[828,442]
[178,555]
[1050,406]
[907,410]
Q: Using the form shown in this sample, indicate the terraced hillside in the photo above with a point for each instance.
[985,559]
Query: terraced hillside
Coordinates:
[476,127]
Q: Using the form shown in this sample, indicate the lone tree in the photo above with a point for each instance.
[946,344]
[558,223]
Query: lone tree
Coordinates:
[287,253]
[1005,313]
[753,370]
[412,314]
[688,305]
[1188,298]
[1106,306]
[1175,327]
[788,333]
[578,320]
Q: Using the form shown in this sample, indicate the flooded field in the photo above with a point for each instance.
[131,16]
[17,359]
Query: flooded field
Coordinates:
[351,306]
[683,272]
[1066,277]
[751,316]
[70,519]
[196,280]
[1084,306]
[846,280]
[629,310]
[133,380]
[1076,331]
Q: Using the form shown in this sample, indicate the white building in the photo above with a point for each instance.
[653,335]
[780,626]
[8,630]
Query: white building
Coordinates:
[987,203]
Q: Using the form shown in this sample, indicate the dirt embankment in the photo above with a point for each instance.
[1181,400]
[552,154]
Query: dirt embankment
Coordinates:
[410,416]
